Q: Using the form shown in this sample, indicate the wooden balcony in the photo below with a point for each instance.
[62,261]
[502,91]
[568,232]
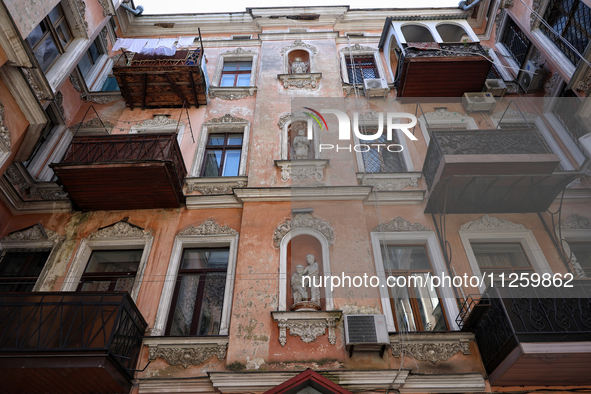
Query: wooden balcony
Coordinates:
[68,343]
[151,81]
[449,71]
[533,336]
[491,171]
[128,171]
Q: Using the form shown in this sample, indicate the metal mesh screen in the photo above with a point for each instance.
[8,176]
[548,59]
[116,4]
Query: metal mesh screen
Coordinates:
[361,68]
[571,19]
[379,159]
[515,41]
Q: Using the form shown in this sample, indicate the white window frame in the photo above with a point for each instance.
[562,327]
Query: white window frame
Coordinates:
[181,243]
[236,125]
[508,56]
[237,55]
[429,240]
[88,245]
[524,237]
[400,136]
[363,52]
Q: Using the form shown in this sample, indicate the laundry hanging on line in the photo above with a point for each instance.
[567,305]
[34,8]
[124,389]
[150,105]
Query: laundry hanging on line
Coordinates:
[154,46]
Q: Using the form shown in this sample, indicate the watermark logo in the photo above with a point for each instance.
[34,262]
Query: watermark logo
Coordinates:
[345,129]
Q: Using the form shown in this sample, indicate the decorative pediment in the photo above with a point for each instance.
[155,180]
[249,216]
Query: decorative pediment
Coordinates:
[35,233]
[185,351]
[4,133]
[227,118]
[491,223]
[120,230]
[209,227]
[239,51]
[158,120]
[575,222]
[399,224]
[94,123]
[358,48]
[303,220]
[232,92]
[298,44]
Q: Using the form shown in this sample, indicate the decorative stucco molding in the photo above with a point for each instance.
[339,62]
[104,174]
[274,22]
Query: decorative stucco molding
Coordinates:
[358,48]
[491,223]
[432,348]
[299,44]
[392,184]
[231,93]
[227,118]
[4,132]
[158,120]
[59,102]
[106,8]
[301,170]
[533,20]
[32,234]
[307,325]
[239,51]
[209,227]
[284,118]
[444,114]
[94,123]
[75,82]
[361,310]
[55,193]
[120,230]
[28,187]
[214,189]
[78,8]
[41,94]
[575,222]
[300,81]
[303,220]
[185,351]
[399,224]
[105,98]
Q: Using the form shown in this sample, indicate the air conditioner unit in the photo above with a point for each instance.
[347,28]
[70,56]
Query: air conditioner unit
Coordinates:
[531,80]
[366,333]
[495,86]
[377,87]
[479,101]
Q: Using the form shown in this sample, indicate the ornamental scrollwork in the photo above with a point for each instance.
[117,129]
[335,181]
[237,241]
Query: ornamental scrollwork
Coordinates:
[430,351]
[575,222]
[298,44]
[307,330]
[4,132]
[227,118]
[209,227]
[186,356]
[33,233]
[400,224]
[303,220]
[491,223]
[120,230]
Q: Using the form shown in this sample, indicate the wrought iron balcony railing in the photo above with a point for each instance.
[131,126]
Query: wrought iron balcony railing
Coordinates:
[447,50]
[180,58]
[62,323]
[479,142]
[516,315]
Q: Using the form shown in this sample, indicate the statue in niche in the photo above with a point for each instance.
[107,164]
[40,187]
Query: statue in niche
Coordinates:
[300,289]
[298,66]
[301,145]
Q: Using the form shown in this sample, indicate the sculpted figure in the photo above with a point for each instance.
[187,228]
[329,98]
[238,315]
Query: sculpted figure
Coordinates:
[312,271]
[301,145]
[300,293]
[298,66]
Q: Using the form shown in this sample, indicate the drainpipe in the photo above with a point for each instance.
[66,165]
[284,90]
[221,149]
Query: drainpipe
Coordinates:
[464,5]
[139,9]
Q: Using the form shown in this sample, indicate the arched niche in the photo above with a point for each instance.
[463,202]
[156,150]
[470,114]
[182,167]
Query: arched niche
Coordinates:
[450,32]
[301,54]
[312,236]
[289,124]
[416,33]
[300,49]
[294,130]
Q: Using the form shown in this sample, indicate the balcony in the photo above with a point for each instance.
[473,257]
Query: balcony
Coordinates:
[446,70]
[533,336]
[491,171]
[152,81]
[66,343]
[130,171]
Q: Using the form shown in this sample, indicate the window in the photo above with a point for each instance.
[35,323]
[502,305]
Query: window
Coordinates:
[416,307]
[89,60]
[516,42]
[222,155]
[111,270]
[50,38]
[497,258]
[20,268]
[95,68]
[360,68]
[378,158]
[571,19]
[198,297]
[236,74]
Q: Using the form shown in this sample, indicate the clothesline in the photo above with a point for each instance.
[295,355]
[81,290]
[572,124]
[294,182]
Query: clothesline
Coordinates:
[154,46]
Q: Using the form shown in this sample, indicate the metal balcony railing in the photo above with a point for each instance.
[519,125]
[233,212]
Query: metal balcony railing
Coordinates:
[479,142]
[62,323]
[180,58]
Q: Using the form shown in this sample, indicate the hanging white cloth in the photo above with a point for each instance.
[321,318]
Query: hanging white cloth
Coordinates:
[122,43]
[137,45]
[150,47]
[185,42]
[166,47]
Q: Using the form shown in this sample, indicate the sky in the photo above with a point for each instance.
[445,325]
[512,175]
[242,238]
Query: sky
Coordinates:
[196,6]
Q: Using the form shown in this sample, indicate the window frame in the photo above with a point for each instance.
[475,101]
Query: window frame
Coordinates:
[181,243]
[237,72]
[574,235]
[112,276]
[237,55]
[7,279]
[360,51]
[88,245]
[429,240]
[225,147]
[219,126]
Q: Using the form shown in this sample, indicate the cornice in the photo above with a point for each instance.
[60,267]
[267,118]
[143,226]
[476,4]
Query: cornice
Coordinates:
[17,206]
[310,35]
[330,193]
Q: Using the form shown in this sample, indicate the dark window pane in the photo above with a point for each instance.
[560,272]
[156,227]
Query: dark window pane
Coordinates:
[93,52]
[205,258]
[110,85]
[500,255]
[185,305]
[114,260]
[213,161]
[403,257]
[63,33]
[211,306]
[55,14]
[36,34]
[46,53]
[20,268]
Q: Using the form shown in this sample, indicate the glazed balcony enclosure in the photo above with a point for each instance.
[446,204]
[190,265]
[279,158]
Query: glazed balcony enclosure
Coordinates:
[491,171]
[66,343]
[127,171]
[157,81]
[533,336]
